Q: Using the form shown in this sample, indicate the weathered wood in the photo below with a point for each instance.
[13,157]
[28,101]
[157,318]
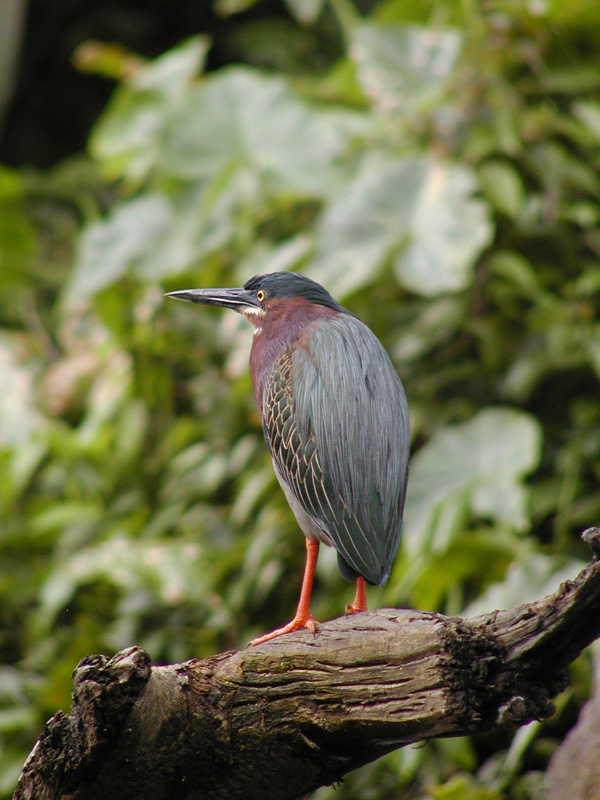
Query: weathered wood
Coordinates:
[278,720]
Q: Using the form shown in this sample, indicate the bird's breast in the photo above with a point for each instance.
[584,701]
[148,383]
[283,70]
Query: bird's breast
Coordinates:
[281,329]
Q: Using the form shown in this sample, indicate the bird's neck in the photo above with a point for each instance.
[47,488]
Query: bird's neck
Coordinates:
[281,329]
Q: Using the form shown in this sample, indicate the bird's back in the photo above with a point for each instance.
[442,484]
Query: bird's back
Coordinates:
[336,421]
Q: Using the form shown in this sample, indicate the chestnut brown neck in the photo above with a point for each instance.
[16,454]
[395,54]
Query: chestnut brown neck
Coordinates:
[281,329]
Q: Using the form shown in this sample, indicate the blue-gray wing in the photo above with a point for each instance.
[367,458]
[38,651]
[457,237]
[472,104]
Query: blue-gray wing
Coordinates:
[336,421]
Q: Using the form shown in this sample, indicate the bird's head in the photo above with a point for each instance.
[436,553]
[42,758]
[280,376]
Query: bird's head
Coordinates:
[264,296]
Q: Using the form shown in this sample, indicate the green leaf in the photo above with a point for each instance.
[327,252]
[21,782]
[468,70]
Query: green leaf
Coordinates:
[106,398]
[503,187]
[171,74]
[265,257]
[168,569]
[10,770]
[240,119]
[19,418]
[558,169]
[450,228]
[17,234]
[473,559]
[225,8]
[16,718]
[403,68]
[574,80]
[108,249]
[525,581]
[127,138]
[479,465]
[55,518]
[516,269]
[305,11]
[419,212]
[153,236]
[463,787]
[588,112]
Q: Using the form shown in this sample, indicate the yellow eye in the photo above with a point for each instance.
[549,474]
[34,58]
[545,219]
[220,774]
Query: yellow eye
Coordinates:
[260,296]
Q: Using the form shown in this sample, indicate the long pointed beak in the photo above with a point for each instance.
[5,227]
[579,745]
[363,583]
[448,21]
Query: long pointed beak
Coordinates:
[236,299]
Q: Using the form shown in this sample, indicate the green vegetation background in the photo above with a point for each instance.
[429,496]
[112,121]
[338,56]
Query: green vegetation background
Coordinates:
[436,166]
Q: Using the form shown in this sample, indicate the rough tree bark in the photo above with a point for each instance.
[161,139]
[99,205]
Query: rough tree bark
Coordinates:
[278,720]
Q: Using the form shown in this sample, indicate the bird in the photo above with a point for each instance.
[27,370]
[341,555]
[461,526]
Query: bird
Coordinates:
[335,420]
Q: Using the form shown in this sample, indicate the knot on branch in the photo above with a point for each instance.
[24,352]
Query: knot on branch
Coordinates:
[591,537]
[72,749]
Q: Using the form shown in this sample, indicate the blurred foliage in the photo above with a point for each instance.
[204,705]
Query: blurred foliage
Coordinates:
[442,180]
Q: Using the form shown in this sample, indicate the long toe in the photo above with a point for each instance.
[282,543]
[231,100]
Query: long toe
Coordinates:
[295,625]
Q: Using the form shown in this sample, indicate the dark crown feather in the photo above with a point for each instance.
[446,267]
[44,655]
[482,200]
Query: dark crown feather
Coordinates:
[291,284]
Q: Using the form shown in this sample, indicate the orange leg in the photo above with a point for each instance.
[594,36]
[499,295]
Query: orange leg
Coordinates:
[360,598]
[303,618]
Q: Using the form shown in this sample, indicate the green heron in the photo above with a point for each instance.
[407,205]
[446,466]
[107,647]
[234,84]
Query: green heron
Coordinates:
[335,420]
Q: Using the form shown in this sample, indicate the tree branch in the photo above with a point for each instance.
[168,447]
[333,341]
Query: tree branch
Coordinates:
[278,720]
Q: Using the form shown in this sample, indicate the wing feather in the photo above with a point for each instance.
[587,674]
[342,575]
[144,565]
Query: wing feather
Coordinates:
[336,421]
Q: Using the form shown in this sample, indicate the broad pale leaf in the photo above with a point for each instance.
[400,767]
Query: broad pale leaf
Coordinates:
[126,140]
[419,212]
[240,119]
[152,236]
[171,74]
[477,466]
[305,11]
[110,247]
[18,416]
[403,67]
[449,229]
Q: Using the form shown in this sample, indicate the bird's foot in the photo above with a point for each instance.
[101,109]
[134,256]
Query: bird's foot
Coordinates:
[296,624]
[355,608]
[360,599]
